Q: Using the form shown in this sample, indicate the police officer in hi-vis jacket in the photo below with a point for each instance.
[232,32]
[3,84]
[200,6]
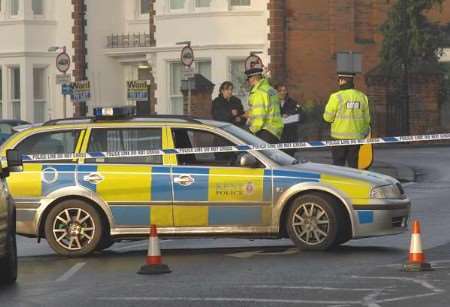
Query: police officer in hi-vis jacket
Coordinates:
[348,112]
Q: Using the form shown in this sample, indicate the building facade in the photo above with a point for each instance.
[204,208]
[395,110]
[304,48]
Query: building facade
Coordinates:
[130,40]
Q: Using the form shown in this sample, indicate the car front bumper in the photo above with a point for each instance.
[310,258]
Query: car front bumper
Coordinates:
[381,217]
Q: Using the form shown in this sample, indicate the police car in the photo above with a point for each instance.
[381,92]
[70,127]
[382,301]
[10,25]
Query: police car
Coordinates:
[82,203]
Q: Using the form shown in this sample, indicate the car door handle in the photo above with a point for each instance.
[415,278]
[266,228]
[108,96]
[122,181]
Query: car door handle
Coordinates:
[94,178]
[184,180]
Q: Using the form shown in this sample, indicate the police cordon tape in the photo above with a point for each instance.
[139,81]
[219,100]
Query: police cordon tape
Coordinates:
[236,148]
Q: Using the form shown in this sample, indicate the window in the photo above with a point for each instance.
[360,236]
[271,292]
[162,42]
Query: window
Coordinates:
[177,4]
[202,3]
[237,77]
[240,2]
[144,7]
[40,94]
[189,138]
[37,7]
[15,92]
[14,7]
[50,143]
[203,68]
[176,98]
[112,140]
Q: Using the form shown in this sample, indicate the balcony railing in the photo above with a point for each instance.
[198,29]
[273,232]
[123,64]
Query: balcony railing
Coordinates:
[134,40]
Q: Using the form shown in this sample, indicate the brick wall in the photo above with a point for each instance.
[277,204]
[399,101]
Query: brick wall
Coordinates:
[80,51]
[316,29]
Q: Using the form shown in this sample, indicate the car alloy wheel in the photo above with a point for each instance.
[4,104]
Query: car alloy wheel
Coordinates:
[73,229]
[311,223]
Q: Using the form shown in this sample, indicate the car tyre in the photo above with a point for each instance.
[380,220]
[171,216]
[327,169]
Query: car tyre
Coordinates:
[314,221]
[8,264]
[73,228]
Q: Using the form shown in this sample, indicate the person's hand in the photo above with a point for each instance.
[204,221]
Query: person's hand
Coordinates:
[238,119]
[234,112]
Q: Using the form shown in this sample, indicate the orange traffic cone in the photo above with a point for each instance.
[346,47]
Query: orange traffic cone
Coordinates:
[153,262]
[416,261]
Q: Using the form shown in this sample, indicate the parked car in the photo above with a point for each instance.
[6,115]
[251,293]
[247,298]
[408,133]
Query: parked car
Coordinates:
[83,204]
[8,249]
[6,128]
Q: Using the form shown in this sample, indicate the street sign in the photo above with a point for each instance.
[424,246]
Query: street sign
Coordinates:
[81,91]
[349,62]
[63,62]
[66,88]
[188,72]
[137,90]
[63,78]
[187,56]
[253,61]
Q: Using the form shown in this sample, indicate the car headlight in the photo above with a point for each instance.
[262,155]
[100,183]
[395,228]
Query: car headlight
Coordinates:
[386,192]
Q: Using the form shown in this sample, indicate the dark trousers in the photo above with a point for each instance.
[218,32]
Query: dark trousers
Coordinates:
[346,154]
[267,136]
[290,135]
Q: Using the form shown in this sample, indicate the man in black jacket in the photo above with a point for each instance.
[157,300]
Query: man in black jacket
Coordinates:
[289,107]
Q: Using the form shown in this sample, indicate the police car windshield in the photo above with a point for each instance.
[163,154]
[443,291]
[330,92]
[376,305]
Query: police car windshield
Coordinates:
[275,155]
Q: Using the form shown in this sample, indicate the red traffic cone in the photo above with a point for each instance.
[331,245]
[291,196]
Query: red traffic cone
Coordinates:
[153,262]
[416,261]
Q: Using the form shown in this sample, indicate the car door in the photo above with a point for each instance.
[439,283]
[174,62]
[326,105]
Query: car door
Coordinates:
[212,190]
[137,189]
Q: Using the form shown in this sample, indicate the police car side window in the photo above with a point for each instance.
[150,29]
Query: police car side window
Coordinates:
[50,143]
[125,139]
[190,138]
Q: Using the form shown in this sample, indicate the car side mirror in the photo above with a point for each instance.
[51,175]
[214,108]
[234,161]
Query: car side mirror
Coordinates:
[14,160]
[247,160]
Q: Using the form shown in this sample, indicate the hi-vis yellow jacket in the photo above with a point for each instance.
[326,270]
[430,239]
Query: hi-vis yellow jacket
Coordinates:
[348,113]
[264,110]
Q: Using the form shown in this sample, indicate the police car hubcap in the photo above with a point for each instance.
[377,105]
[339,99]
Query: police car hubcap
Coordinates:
[73,228]
[311,224]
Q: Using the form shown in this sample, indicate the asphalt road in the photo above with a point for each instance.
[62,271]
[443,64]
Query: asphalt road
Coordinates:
[208,272]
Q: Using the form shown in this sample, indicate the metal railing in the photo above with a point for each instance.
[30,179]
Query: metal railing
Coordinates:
[130,40]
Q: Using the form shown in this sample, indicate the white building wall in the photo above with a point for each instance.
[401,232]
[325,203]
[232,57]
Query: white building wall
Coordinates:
[220,33]
[105,74]
[24,41]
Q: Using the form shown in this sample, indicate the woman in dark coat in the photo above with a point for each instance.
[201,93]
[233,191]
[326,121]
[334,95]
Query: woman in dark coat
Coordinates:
[226,107]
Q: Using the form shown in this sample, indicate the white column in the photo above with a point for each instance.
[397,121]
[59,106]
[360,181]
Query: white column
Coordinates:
[26,91]
[25,9]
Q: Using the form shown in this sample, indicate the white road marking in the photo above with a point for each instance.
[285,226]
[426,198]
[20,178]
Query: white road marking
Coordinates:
[72,271]
[312,288]
[434,290]
[245,255]
[137,245]
[226,299]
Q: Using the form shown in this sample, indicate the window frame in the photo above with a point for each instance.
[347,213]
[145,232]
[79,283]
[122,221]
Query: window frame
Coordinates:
[14,102]
[214,132]
[234,7]
[139,13]
[44,99]
[10,7]
[42,15]
[202,8]
[180,10]
[89,140]
[81,134]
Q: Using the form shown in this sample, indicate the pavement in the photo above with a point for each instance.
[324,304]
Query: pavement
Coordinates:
[401,172]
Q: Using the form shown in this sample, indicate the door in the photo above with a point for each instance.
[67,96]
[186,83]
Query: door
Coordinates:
[138,189]
[41,178]
[212,190]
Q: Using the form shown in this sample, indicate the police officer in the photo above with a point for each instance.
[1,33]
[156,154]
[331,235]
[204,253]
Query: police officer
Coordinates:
[264,115]
[348,112]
